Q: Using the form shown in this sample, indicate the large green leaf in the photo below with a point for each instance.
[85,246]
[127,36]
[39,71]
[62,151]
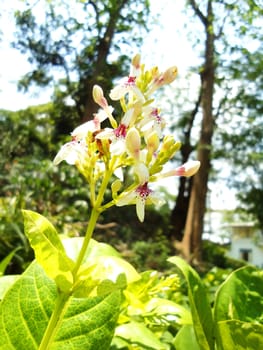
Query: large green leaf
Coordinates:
[27,306]
[240,297]
[102,270]
[49,250]
[201,310]
[6,282]
[240,335]
[95,249]
[26,309]
[137,333]
[238,310]
[185,339]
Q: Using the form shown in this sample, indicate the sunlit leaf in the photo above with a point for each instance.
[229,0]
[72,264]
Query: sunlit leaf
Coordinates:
[137,333]
[186,339]
[6,282]
[173,312]
[27,307]
[49,250]
[95,249]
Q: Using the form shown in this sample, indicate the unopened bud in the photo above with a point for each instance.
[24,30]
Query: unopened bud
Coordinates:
[188,169]
[168,76]
[133,143]
[152,142]
[136,61]
[98,96]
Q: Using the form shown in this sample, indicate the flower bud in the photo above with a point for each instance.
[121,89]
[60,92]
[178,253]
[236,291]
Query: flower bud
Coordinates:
[98,96]
[115,187]
[152,142]
[168,76]
[133,143]
[188,169]
[136,61]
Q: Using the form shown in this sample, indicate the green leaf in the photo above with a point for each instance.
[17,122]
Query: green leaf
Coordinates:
[6,282]
[186,339]
[238,310]
[27,307]
[240,297]
[5,262]
[49,250]
[101,270]
[240,335]
[137,333]
[200,308]
[95,249]
[164,307]
[97,271]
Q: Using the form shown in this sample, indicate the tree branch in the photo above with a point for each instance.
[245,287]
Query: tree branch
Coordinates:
[198,12]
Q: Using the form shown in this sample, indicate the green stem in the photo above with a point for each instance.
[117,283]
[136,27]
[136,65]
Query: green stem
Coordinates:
[63,298]
[92,223]
[55,320]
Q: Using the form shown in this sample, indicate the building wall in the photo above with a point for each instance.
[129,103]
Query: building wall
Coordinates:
[245,249]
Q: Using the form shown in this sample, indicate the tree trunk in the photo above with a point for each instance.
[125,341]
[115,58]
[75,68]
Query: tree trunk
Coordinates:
[179,213]
[192,241]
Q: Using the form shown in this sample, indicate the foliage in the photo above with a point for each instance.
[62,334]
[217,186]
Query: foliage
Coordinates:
[29,180]
[73,45]
[77,282]
[79,293]
[236,321]
[237,98]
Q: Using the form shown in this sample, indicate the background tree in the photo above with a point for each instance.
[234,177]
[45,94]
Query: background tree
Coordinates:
[74,45]
[243,138]
[226,29]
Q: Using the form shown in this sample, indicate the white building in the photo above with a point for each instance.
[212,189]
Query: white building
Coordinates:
[246,243]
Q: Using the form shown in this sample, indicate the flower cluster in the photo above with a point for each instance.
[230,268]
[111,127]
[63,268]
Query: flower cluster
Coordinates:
[135,142]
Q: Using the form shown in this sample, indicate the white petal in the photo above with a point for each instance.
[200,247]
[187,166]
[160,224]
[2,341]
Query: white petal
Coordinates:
[138,93]
[118,91]
[128,198]
[119,173]
[70,152]
[142,172]
[117,146]
[140,207]
[82,130]
[107,133]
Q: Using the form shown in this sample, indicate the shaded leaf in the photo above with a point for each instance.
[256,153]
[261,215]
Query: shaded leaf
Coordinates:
[200,308]
[240,297]
[238,310]
[5,262]
[240,335]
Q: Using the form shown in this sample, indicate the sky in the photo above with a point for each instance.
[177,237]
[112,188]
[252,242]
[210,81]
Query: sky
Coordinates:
[157,49]
[164,46]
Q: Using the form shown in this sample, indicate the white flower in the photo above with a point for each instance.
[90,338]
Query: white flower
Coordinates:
[141,196]
[152,121]
[126,85]
[71,152]
[117,136]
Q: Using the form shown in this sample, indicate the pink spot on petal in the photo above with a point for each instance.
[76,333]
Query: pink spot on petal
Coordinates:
[143,191]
